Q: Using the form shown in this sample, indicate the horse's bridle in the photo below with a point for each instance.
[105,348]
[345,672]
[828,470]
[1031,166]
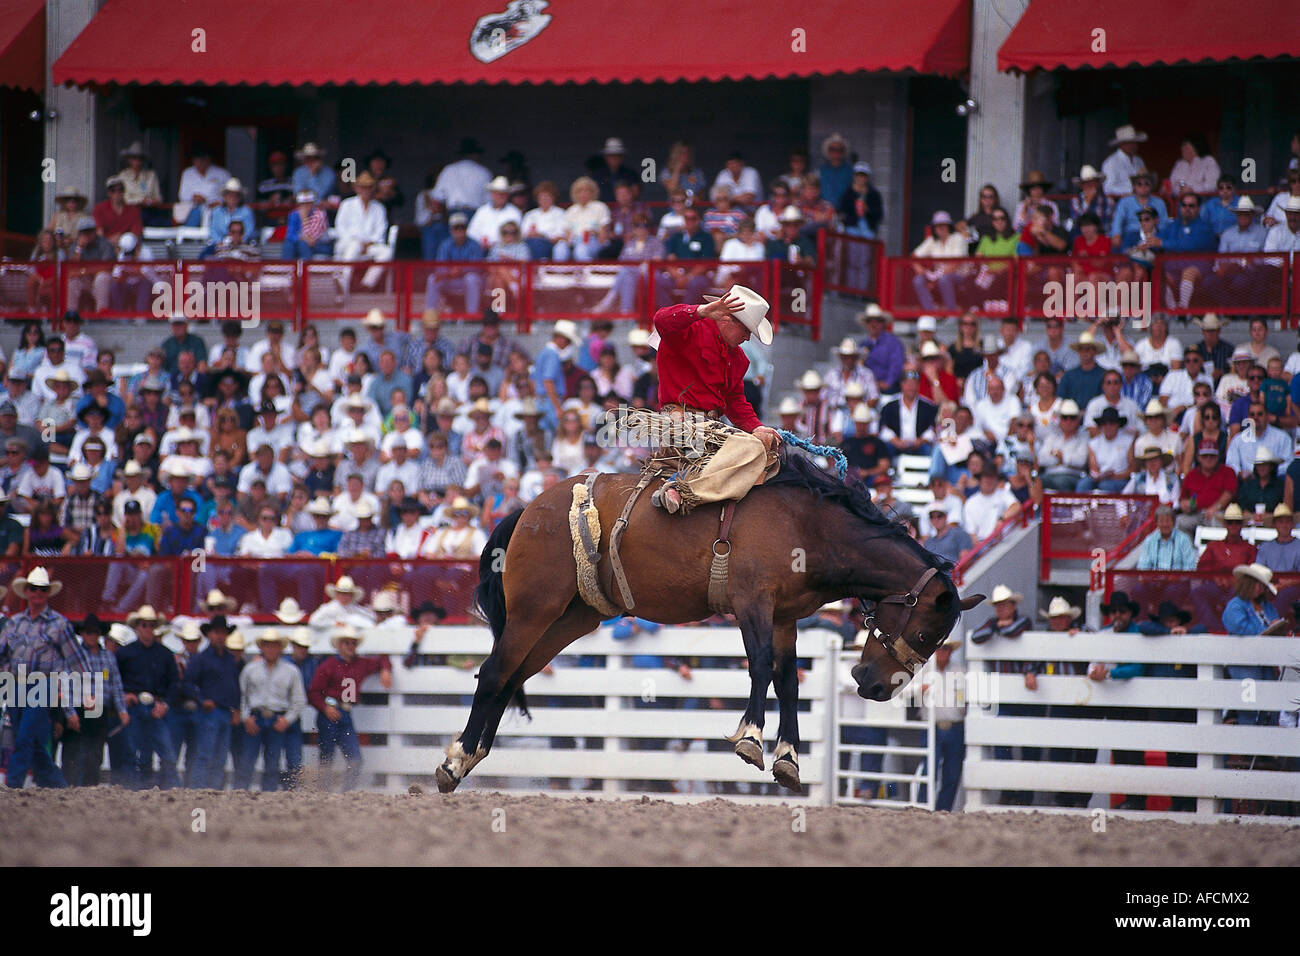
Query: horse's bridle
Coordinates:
[897,648]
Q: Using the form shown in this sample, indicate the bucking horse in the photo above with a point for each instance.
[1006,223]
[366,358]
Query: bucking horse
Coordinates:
[798,541]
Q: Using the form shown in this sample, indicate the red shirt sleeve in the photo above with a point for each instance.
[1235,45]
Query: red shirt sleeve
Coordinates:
[739,410]
[319,681]
[673,319]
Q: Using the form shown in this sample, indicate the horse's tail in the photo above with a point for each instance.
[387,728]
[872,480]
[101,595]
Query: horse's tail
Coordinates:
[490,595]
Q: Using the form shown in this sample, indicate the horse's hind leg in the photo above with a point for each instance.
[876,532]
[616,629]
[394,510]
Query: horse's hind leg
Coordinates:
[755,622]
[785,765]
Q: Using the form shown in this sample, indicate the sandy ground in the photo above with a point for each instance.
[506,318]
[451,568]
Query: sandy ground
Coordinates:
[316,828]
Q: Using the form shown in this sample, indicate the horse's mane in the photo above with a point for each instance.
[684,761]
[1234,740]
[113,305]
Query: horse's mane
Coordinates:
[798,471]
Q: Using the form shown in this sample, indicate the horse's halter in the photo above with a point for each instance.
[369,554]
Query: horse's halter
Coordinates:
[897,648]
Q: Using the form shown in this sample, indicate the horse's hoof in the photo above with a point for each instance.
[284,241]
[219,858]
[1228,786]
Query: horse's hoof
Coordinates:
[750,750]
[786,772]
[447,782]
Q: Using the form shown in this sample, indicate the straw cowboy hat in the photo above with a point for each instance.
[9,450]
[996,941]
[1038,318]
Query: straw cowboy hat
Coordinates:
[1035,178]
[528,409]
[1245,204]
[364,179]
[1211,320]
[310,151]
[235,641]
[320,507]
[809,381]
[143,614]
[1282,511]
[753,315]
[1153,451]
[345,585]
[374,319]
[1234,513]
[862,413]
[1087,341]
[1127,134]
[289,612]
[461,505]
[71,192]
[873,312]
[499,185]
[363,511]
[1088,174]
[273,636]
[847,347]
[190,631]
[1154,408]
[301,636]
[929,350]
[1004,593]
[385,601]
[790,406]
[345,632]
[567,329]
[481,406]
[1264,456]
[1060,606]
[854,390]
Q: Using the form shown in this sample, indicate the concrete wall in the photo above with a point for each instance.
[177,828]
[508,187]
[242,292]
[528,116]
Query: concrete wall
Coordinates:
[71,139]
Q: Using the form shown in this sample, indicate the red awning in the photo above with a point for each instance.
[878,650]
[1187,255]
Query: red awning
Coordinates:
[22,44]
[1052,34]
[324,42]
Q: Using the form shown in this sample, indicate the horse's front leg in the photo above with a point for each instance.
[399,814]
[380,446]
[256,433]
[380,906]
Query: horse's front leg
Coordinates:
[785,764]
[755,623]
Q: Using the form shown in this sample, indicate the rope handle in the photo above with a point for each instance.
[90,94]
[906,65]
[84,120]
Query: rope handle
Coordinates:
[827,451]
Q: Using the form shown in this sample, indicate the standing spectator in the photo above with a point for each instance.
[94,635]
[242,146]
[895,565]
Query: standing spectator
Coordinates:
[1166,548]
[1121,165]
[140,181]
[212,678]
[335,690]
[200,187]
[860,208]
[83,749]
[949,733]
[272,698]
[835,173]
[314,176]
[1196,170]
[885,355]
[362,228]
[609,171]
[1250,612]
[38,639]
[151,683]
[462,185]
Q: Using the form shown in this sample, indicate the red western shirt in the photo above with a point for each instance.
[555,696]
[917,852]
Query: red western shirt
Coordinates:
[1209,490]
[1222,556]
[329,677]
[113,223]
[698,369]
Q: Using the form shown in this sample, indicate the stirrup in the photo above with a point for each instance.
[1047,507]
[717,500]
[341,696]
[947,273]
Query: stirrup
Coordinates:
[669,503]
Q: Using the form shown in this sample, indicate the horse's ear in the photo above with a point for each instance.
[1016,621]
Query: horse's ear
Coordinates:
[973,601]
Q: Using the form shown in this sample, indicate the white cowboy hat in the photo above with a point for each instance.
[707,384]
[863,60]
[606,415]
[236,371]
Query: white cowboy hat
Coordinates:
[1088,340]
[1127,134]
[930,350]
[233,185]
[301,636]
[189,631]
[320,507]
[754,314]
[1004,593]
[1245,204]
[363,510]
[289,611]
[789,406]
[790,213]
[638,337]
[81,472]
[346,632]
[809,381]
[216,599]
[1060,606]
[567,329]
[374,318]
[927,323]
[1069,409]
[120,633]
[847,347]
[854,390]
[614,147]
[385,601]
[132,468]
[234,641]
[481,406]
[1264,456]
[1088,174]
[873,311]
[144,613]
[460,505]
[1257,571]
[355,436]
[344,585]
[1234,513]
[1210,321]
[499,185]
[310,151]
[1153,408]
[272,635]
[1129,357]
[862,413]
[318,448]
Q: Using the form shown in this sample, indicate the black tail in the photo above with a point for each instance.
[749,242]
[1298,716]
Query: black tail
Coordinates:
[490,595]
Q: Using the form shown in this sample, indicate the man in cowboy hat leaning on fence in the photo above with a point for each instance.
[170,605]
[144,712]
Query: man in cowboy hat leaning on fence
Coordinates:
[702,375]
[273,700]
[335,690]
[38,639]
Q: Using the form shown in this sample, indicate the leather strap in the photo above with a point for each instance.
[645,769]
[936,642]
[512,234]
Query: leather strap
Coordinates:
[616,537]
[719,566]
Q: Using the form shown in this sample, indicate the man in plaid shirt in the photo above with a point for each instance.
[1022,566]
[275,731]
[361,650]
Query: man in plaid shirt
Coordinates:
[38,639]
[78,512]
[83,750]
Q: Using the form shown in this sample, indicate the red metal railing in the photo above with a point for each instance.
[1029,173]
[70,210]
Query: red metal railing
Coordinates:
[985,545]
[849,264]
[113,587]
[1076,526]
[915,287]
[1239,284]
[1203,594]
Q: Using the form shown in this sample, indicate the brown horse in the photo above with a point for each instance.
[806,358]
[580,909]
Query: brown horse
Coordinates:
[799,541]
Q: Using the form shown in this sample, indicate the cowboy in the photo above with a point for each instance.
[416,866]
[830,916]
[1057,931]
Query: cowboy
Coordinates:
[314,175]
[151,683]
[1282,554]
[1122,164]
[37,639]
[273,700]
[700,345]
[344,606]
[83,749]
[362,229]
[1233,549]
[300,657]
[322,539]
[212,679]
[183,718]
[1261,491]
[335,690]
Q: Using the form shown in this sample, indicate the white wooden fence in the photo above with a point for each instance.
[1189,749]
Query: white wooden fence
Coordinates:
[1209,694]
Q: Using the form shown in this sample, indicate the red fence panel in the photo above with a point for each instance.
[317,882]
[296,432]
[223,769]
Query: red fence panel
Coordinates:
[348,290]
[918,287]
[1202,594]
[448,584]
[852,265]
[588,290]
[260,584]
[1079,288]
[107,587]
[796,299]
[462,291]
[29,290]
[1075,526]
[231,288]
[121,290]
[1245,284]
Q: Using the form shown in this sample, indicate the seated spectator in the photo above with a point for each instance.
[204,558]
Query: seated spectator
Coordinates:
[1196,170]
[792,244]
[362,229]
[1166,548]
[1090,200]
[1261,491]
[1064,454]
[692,280]
[1108,454]
[141,182]
[114,216]
[306,233]
[584,218]
[907,423]
[458,540]
[744,246]
[1154,476]
[1234,384]
[1178,389]
[89,246]
[988,507]
[545,229]
[1243,446]
[1232,550]
[996,410]
[485,225]
[468,282]
[746,186]
[232,209]
[1188,233]
[1282,555]
[1157,435]
[200,188]
[942,243]
[1124,227]
[949,541]
[1207,489]
[1218,210]
[45,537]
[681,174]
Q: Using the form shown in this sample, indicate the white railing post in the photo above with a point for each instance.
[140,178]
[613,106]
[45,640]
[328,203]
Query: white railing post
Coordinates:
[613,702]
[834,645]
[1205,716]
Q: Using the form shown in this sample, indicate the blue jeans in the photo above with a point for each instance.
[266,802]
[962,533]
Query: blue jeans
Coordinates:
[539,248]
[947,283]
[949,755]
[182,724]
[195,218]
[299,249]
[270,742]
[292,755]
[1113,485]
[32,738]
[211,744]
[471,284]
[150,736]
[243,756]
[431,237]
[341,734]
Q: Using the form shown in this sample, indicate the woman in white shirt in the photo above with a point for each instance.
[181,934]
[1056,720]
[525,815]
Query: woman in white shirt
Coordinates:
[1045,407]
[745,246]
[566,450]
[1197,170]
[1154,478]
[942,243]
[546,228]
[1159,347]
[461,539]
[585,217]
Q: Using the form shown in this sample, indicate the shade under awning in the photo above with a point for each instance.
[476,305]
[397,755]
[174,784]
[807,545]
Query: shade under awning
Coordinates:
[22,44]
[330,42]
[1054,35]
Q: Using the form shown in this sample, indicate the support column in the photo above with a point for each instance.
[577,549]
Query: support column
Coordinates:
[70,137]
[995,139]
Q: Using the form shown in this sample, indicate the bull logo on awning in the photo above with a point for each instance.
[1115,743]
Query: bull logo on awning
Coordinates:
[497,34]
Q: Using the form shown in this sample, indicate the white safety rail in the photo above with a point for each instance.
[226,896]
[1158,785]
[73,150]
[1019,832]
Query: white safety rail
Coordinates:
[1210,782]
[592,717]
[904,741]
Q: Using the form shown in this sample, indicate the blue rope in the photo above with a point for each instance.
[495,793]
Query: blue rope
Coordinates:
[828,451]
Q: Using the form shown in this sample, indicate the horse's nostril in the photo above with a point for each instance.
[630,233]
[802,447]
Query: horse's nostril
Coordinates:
[877,691]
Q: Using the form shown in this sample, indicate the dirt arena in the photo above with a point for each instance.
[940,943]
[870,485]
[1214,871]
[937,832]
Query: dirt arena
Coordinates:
[66,828]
